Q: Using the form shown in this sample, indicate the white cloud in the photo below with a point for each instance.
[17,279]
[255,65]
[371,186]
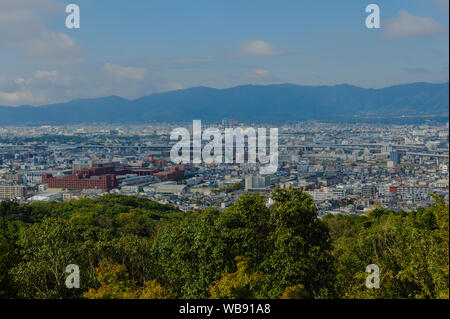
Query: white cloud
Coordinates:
[409,25]
[52,45]
[38,88]
[257,48]
[21,27]
[80,81]
[137,74]
[16,98]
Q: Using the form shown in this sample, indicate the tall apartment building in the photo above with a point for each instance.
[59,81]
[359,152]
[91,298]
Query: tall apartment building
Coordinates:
[12,191]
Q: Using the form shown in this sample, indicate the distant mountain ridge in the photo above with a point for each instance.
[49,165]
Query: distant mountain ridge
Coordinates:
[270,103]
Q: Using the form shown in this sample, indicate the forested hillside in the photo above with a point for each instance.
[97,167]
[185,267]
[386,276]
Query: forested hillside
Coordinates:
[129,247]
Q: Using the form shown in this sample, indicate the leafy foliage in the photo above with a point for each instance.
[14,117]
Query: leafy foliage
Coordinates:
[242,284]
[128,247]
[411,250]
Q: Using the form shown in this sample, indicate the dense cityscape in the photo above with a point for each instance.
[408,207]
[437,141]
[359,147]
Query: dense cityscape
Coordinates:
[346,168]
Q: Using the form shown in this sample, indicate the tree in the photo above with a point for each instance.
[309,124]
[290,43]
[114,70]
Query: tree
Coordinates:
[7,259]
[153,290]
[192,253]
[198,250]
[411,250]
[115,283]
[300,252]
[295,292]
[45,250]
[242,284]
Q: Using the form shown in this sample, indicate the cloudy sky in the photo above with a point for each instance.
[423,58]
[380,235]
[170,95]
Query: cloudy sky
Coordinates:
[135,48]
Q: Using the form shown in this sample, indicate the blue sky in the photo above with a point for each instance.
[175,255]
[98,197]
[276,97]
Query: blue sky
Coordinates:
[138,47]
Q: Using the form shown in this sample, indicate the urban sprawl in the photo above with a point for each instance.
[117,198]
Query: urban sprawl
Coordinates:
[346,168]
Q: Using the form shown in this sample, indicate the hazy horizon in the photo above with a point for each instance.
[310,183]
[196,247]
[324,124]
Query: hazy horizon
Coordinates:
[215,88]
[148,47]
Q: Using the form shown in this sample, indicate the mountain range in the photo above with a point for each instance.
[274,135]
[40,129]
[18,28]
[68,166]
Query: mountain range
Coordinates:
[248,103]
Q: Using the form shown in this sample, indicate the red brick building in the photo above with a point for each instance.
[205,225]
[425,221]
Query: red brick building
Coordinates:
[97,177]
[175,173]
[80,182]
[104,177]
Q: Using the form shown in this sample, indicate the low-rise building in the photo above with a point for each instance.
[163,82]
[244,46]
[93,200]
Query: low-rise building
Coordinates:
[12,191]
